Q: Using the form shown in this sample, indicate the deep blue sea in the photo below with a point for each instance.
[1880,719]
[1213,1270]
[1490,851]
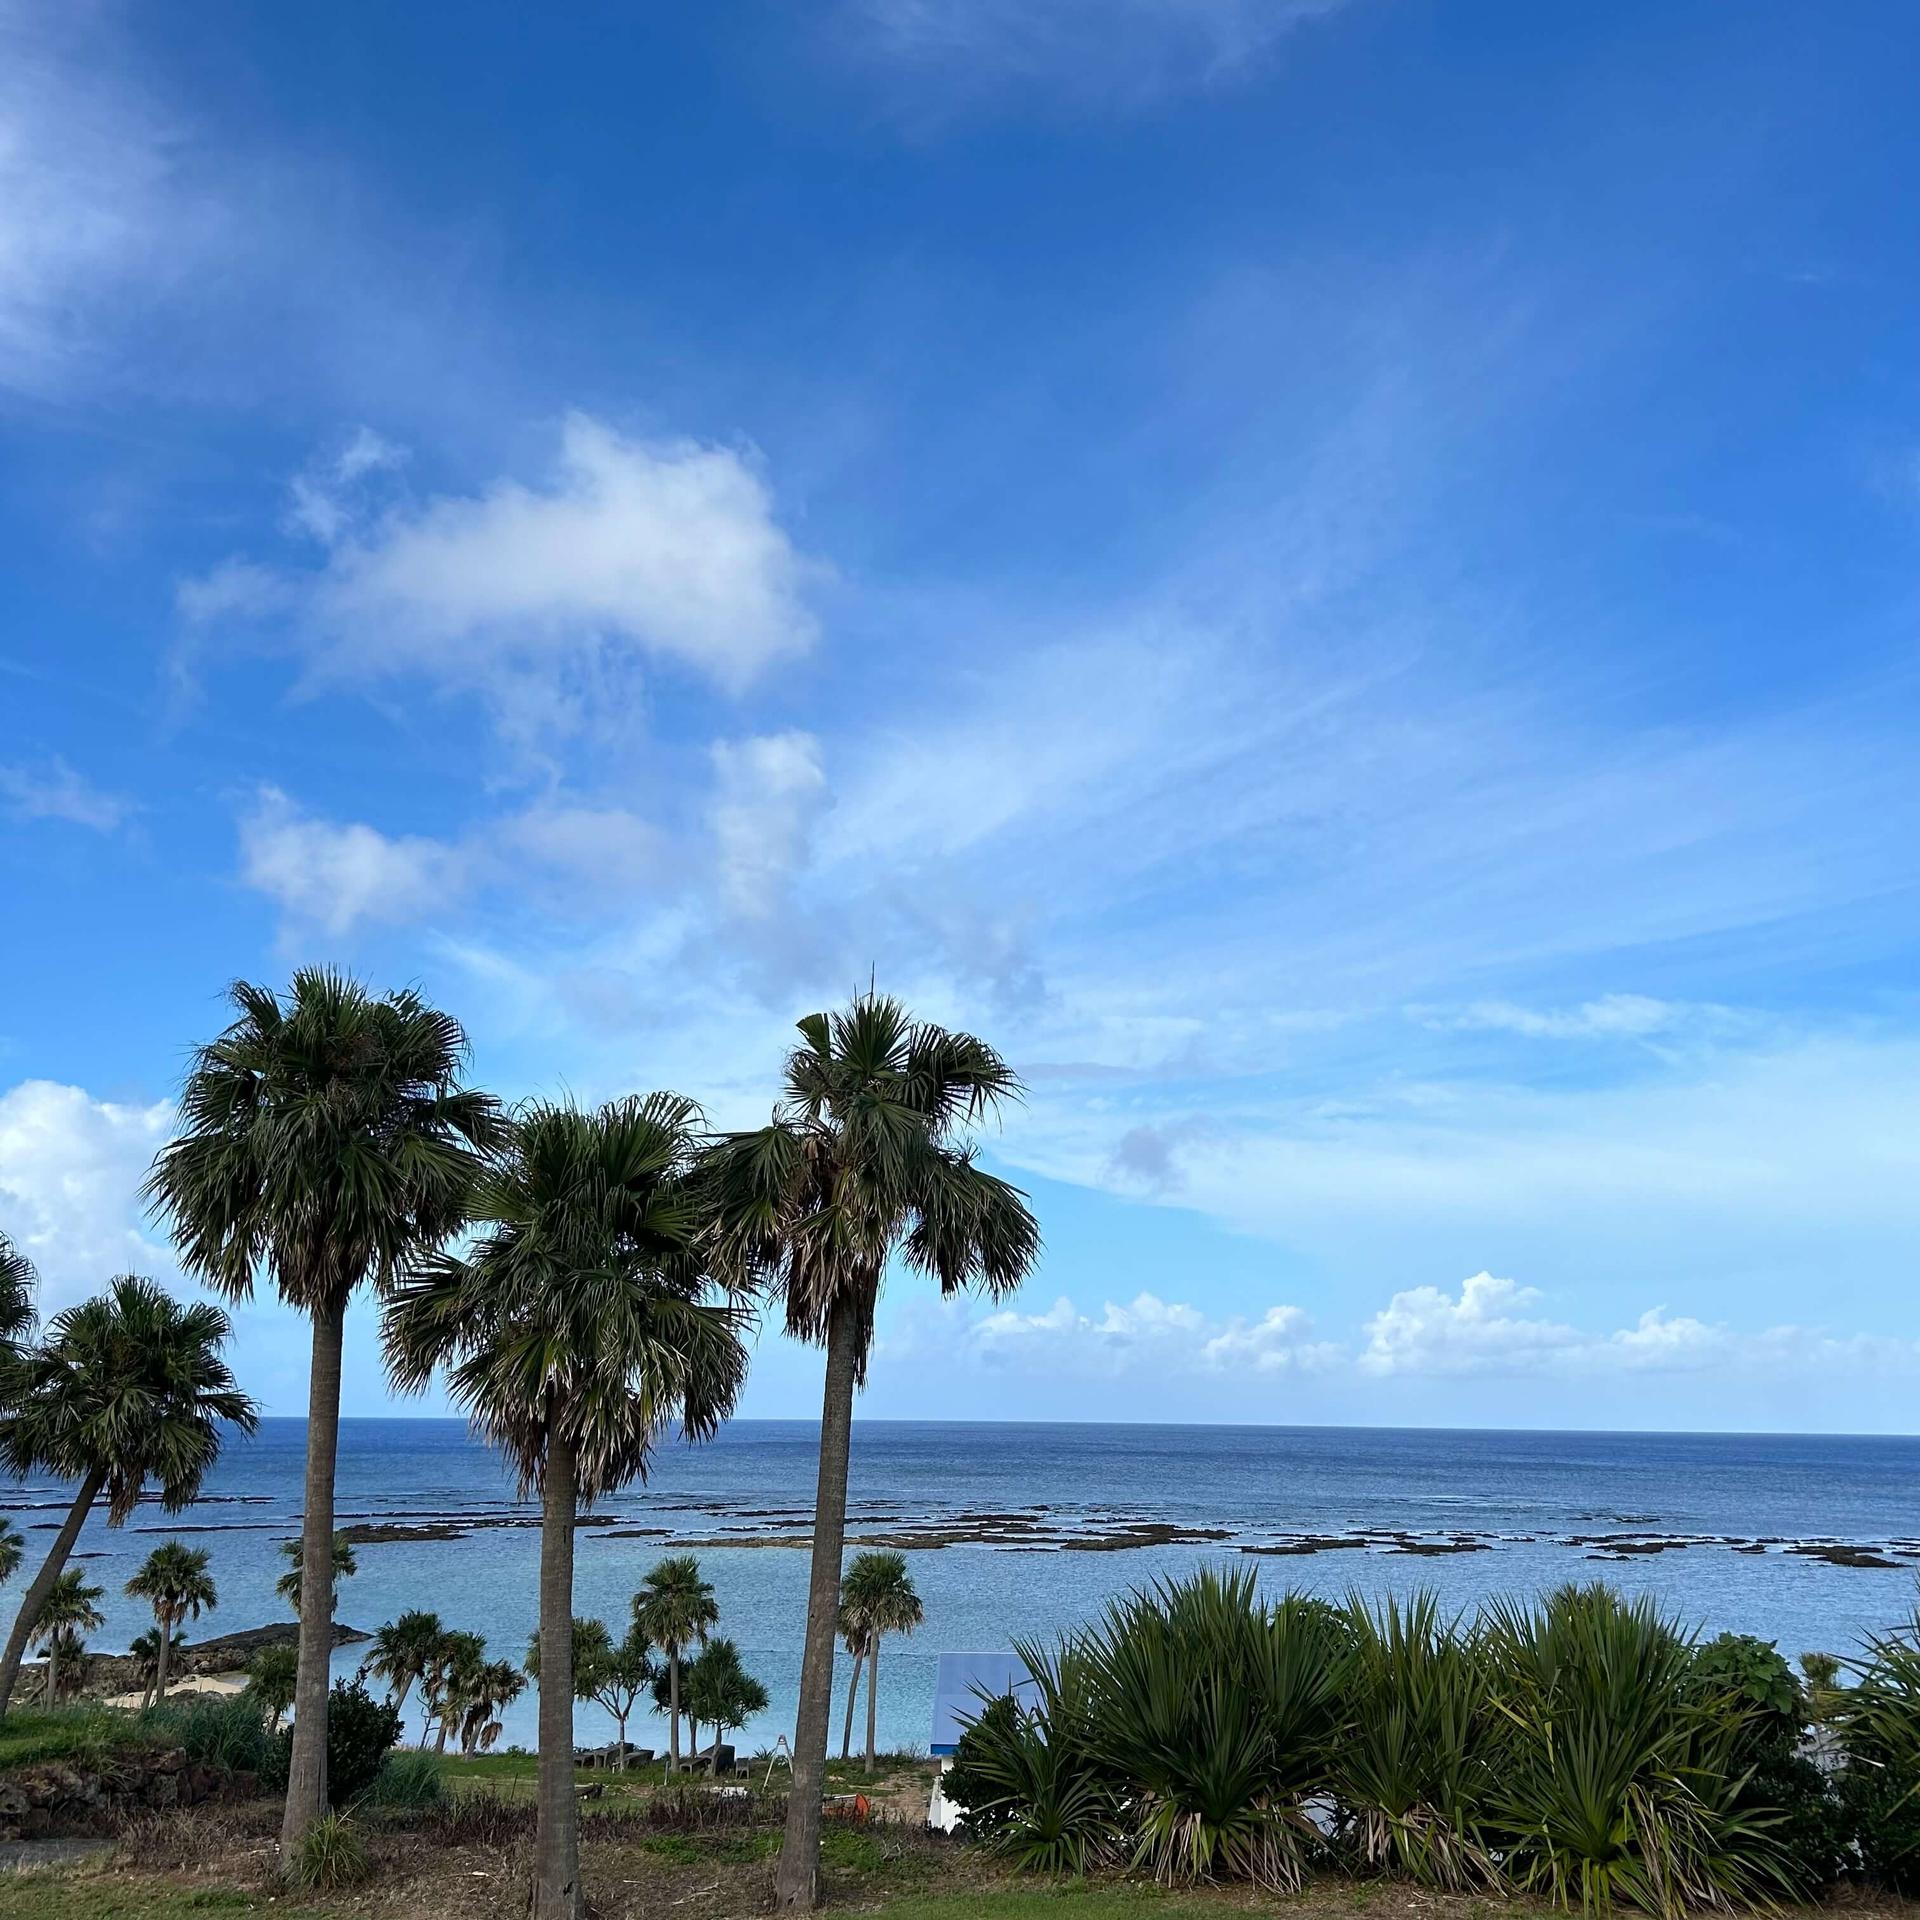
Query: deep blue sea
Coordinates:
[1525,1497]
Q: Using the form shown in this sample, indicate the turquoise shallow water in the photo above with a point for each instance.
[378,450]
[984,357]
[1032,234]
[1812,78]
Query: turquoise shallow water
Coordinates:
[1526,1495]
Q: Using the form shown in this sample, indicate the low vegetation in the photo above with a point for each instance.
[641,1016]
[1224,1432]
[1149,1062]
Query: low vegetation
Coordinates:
[1580,1749]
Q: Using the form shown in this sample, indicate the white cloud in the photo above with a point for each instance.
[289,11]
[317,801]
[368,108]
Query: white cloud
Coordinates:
[1128,52]
[54,791]
[1145,1334]
[325,500]
[333,876]
[544,598]
[769,791]
[1488,1328]
[70,1173]
[1630,1016]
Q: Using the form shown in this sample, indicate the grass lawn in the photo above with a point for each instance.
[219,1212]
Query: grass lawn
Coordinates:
[30,1737]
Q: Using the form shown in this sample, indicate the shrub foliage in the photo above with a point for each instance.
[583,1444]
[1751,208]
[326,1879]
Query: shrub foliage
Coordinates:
[1581,1748]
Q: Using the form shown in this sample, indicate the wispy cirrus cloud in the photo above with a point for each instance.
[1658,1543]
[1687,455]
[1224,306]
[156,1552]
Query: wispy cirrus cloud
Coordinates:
[52,790]
[1115,53]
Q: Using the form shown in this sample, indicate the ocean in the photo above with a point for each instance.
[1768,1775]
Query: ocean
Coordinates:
[1725,1530]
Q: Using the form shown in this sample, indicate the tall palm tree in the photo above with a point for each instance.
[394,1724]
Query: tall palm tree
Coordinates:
[67,1615]
[17,1284]
[174,1581]
[402,1651]
[341,1565]
[125,1388]
[326,1140]
[675,1609]
[867,1157]
[575,1331]
[879,1595]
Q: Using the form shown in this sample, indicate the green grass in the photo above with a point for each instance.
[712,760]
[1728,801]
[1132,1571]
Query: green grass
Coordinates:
[29,1737]
[89,1896]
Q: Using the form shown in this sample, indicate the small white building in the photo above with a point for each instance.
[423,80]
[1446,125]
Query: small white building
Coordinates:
[964,1685]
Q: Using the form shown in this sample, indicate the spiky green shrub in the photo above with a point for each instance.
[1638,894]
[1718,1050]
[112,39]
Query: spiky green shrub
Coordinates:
[330,1854]
[1616,1778]
[218,1730]
[1410,1772]
[1879,1723]
[408,1780]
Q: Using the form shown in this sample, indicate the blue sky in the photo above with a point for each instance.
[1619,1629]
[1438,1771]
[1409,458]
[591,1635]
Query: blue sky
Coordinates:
[1337,576]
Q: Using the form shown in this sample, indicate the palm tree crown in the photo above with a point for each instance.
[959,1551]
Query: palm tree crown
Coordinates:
[866,1157]
[675,1607]
[17,1283]
[13,1550]
[173,1579]
[878,1597]
[584,1302]
[403,1650]
[345,1566]
[128,1387]
[326,1138]
[67,1616]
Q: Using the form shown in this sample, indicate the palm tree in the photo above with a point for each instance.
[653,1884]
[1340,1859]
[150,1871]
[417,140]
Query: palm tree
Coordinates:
[341,1566]
[126,1388]
[447,1680]
[866,1157]
[484,1691]
[326,1140]
[174,1581]
[13,1550]
[675,1609]
[576,1330]
[17,1284]
[272,1675]
[613,1673]
[144,1651]
[66,1615]
[721,1693]
[878,1597]
[402,1651]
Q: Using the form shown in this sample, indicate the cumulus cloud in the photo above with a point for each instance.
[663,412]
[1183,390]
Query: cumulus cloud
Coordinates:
[1146,1334]
[70,1174]
[1489,1327]
[334,875]
[54,791]
[1125,52]
[542,597]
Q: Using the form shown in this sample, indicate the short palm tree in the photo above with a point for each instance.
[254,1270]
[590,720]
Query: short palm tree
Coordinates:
[173,1580]
[612,1673]
[272,1675]
[341,1566]
[484,1692]
[876,1598]
[448,1678]
[402,1651]
[17,1285]
[675,1609]
[866,1158]
[67,1616]
[144,1651]
[575,1330]
[327,1141]
[13,1550]
[125,1388]
[721,1693]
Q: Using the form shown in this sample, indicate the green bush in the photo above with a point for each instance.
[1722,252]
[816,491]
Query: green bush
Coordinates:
[218,1730]
[1879,1722]
[408,1779]
[329,1855]
[360,1734]
[1409,1772]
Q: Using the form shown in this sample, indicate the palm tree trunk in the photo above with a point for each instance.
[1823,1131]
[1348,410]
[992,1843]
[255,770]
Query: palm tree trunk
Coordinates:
[853,1693]
[35,1602]
[557,1894]
[797,1884]
[307,1768]
[160,1664]
[673,1710]
[873,1692]
[53,1673]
